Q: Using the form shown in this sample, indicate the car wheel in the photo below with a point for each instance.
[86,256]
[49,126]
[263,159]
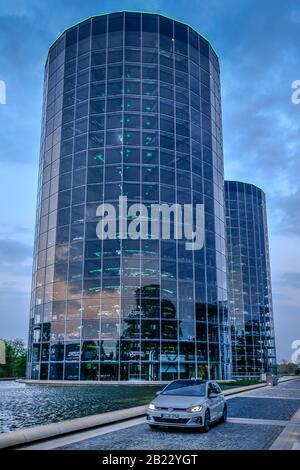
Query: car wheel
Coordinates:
[224,415]
[206,424]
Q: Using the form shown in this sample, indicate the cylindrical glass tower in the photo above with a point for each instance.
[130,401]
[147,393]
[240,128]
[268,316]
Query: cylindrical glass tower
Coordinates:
[249,281]
[131,107]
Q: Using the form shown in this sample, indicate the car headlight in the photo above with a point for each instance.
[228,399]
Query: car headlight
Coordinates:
[151,406]
[194,409]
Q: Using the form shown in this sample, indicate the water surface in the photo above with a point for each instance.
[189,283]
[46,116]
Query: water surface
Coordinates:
[24,405]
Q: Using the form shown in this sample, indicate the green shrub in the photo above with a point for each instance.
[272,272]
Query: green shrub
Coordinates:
[15,359]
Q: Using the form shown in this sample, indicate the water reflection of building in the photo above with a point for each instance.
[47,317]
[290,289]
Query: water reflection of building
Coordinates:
[149,334]
[156,341]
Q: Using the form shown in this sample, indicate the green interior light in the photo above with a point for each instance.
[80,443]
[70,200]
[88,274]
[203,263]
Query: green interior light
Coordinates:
[99,156]
[168,291]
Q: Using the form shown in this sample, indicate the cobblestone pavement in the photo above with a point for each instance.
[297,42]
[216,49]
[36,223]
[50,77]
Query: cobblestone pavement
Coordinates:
[236,436]
[260,408]
[225,436]
[286,390]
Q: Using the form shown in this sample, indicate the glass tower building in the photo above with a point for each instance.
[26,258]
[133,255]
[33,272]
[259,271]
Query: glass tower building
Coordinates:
[131,107]
[249,282]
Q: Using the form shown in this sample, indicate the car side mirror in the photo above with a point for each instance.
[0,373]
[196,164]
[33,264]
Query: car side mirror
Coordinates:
[212,395]
[158,393]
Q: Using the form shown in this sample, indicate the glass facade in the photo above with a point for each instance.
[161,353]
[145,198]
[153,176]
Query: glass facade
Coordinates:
[249,282]
[131,107]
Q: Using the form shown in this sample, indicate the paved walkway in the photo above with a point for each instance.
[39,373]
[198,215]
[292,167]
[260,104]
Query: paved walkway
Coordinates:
[289,439]
[267,418]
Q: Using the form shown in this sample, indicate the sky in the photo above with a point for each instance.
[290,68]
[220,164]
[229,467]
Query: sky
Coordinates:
[258,44]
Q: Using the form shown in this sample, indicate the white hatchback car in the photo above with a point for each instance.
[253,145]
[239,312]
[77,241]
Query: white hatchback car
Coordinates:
[189,403]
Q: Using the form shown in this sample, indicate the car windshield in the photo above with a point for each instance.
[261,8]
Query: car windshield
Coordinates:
[189,388]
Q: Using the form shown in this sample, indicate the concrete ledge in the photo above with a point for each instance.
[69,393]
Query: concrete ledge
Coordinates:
[46,431]
[287,378]
[233,391]
[6,379]
[67,383]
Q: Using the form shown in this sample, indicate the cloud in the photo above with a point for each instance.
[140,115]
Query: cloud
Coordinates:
[262,145]
[261,126]
[291,279]
[12,251]
[295,15]
[287,330]
[290,214]
[15,282]
[9,230]
[18,9]
[14,311]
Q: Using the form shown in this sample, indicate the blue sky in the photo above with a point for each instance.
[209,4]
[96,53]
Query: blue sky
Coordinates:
[258,43]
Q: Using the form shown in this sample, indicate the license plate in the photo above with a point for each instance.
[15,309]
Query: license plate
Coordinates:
[170,416]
